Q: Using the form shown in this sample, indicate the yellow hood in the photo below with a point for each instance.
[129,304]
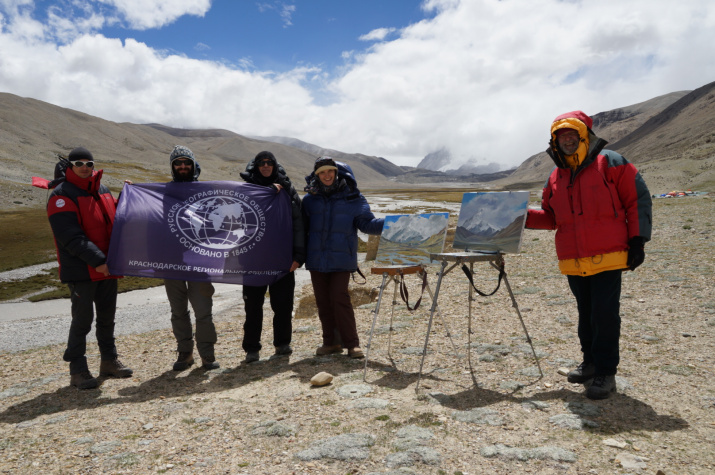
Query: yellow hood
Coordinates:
[577,158]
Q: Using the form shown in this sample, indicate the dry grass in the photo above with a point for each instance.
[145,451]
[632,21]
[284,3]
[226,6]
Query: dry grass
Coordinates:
[25,238]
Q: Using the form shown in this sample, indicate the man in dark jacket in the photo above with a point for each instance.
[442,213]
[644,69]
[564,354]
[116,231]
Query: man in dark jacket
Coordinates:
[81,213]
[185,168]
[601,210]
[264,170]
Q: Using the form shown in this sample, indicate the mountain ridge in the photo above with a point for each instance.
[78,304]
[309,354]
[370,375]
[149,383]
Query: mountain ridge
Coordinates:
[670,138]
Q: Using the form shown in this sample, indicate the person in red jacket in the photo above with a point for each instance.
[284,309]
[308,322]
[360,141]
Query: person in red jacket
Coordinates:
[81,213]
[601,210]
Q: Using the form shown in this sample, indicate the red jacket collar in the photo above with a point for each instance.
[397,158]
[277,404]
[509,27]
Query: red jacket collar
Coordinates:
[90,185]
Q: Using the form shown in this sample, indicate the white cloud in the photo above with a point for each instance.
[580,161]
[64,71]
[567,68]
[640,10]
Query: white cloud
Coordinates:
[287,14]
[14,6]
[285,11]
[67,20]
[65,29]
[145,14]
[483,78]
[378,34]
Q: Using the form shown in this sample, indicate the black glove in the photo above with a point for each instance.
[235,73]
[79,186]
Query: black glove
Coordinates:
[636,253]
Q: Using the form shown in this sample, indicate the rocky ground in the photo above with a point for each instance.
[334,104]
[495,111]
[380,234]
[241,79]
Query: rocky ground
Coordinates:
[486,411]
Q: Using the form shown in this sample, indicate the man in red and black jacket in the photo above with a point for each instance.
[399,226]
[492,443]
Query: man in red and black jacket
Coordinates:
[81,213]
[601,210]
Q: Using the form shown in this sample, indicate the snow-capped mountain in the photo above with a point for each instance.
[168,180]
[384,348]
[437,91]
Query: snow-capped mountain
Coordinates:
[444,161]
[478,226]
[415,228]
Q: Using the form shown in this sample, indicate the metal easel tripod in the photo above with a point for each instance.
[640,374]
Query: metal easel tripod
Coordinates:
[496,260]
[396,275]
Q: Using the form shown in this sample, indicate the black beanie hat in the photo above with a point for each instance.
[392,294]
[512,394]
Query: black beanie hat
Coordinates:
[324,163]
[80,153]
[265,155]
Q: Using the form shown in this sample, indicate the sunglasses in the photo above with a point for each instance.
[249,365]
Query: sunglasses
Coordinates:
[180,162]
[82,163]
[265,163]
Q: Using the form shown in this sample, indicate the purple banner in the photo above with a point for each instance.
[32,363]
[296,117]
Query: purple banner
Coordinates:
[212,231]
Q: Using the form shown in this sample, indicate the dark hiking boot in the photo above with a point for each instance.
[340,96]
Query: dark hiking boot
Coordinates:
[356,353]
[602,387]
[209,363]
[83,380]
[114,368]
[252,357]
[329,350]
[583,373]
[284,350]
[184,361]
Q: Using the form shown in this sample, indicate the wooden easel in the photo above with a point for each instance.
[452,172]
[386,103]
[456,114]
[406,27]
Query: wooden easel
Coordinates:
[396,275]
[496,260]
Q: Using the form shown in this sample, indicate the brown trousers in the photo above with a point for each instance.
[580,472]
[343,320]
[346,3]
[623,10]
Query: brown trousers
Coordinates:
[335,309]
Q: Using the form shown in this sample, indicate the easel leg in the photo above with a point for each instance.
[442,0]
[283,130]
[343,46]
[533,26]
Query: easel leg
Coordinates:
[528,338]
[444,322]
[470,299]
[392,313]
[429,325]
[372,328]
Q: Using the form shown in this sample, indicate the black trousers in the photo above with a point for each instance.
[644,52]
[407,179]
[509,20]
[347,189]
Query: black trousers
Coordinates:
[85,296]
[598,298]
[281,297]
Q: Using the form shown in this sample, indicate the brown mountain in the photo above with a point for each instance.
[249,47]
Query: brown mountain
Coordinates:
[32,132]
[379,164]
[670,139]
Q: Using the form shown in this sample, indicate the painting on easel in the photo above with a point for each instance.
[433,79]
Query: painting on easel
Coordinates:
[491,221]
[408,240]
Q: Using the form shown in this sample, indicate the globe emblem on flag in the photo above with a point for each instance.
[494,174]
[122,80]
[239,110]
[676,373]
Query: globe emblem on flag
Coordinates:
[221,222]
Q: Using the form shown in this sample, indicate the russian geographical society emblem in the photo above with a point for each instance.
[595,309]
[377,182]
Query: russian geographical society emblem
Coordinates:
[217,223]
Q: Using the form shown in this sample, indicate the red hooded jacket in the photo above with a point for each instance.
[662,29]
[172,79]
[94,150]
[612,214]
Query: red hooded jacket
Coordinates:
[596,207]
[81,213]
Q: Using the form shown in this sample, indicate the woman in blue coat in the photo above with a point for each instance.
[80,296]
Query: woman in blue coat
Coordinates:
[333,211]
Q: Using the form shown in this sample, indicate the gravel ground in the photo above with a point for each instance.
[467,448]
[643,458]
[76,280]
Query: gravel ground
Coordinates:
[495,415]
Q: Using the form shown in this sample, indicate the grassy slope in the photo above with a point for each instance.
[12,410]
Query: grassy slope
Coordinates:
[25,240]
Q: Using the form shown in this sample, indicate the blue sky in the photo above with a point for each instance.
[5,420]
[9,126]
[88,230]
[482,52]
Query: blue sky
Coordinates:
[276,36]
[398,79]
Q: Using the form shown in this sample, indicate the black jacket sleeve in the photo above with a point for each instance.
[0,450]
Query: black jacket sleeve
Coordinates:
[71,238]
[298,229]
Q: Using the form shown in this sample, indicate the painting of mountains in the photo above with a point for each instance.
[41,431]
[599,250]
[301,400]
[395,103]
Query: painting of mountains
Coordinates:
[409,239]
[491,221]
